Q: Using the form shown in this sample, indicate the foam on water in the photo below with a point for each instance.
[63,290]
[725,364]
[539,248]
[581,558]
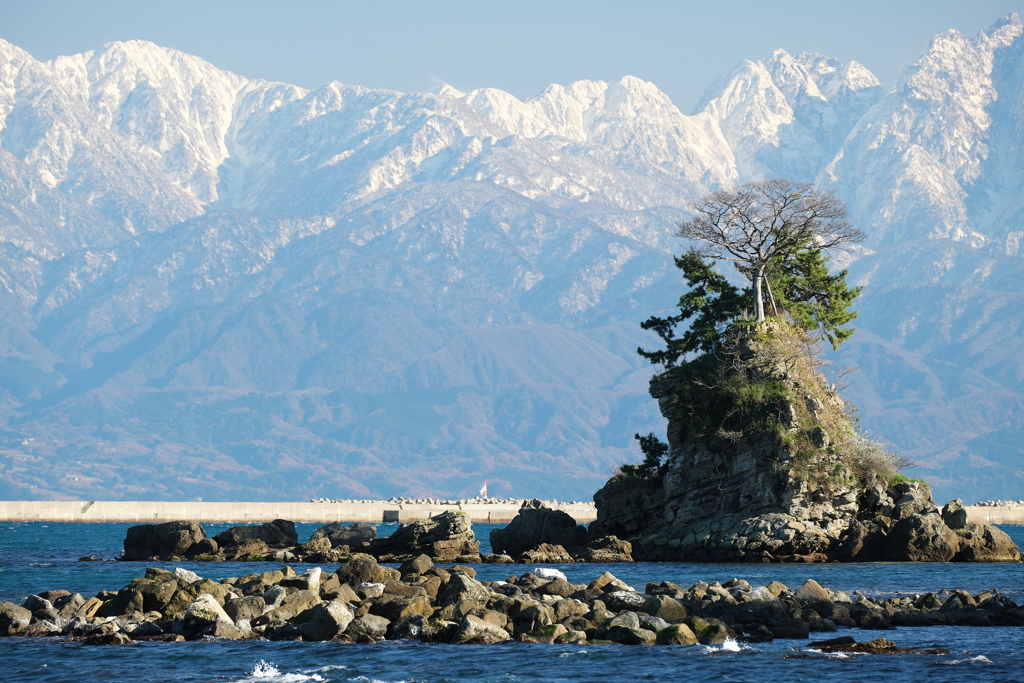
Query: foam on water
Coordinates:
[980,659]
[729,645]
[266,672]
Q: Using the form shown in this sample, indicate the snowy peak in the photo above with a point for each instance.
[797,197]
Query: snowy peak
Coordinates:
[786,116]
[911,168]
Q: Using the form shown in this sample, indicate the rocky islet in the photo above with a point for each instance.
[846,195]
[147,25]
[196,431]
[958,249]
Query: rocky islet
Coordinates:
[765,464]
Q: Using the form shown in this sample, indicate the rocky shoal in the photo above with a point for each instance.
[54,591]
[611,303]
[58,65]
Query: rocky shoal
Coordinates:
[365,602]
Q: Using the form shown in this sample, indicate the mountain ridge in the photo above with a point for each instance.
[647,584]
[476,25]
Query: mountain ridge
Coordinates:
[348,291]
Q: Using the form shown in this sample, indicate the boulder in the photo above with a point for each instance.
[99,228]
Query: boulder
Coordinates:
[475,630]
[664,607]
[157,588]
[13,618]
[607,549]
[625,628]
[291,606]
[921,538]
[184,576]
[862,542]
[226,630]
[461,587]
[444,538]
[325,621]
[397,607]
[368,626]
[166,540]
[341,534]
[416,566]
[985,543]
[607,583]
[954,514]
[618,601]
[113,638]
[203,547]
[546,553]
[533,615]
[676,634]
[912,498]
[811,591]
[409,627]
[363,569]
[247,608]
[186,595]
[537,524]
[309,580]
[203,612]
[545,634]
[277,534]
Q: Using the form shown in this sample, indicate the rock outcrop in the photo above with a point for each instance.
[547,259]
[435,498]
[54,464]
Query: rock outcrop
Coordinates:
[277,534]
[170,539]
[537,524]
[765,464]
[539,534]
[446,538]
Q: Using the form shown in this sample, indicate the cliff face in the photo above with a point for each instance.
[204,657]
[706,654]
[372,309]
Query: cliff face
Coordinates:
[765,464]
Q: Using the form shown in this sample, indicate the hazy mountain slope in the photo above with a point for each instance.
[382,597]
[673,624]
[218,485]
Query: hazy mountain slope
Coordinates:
[932,174]
[227,288]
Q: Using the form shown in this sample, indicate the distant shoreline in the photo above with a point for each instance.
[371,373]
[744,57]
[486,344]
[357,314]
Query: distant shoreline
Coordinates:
[325,512]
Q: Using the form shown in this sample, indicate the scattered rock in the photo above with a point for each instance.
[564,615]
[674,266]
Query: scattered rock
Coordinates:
[162,541]
[535,525]
[277,534]
[444,538]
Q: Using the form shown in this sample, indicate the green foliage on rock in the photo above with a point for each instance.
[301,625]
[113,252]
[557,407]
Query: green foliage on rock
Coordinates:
[814,298]
[712,302]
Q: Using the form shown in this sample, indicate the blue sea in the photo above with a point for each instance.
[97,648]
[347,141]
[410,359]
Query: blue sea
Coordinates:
[38,556]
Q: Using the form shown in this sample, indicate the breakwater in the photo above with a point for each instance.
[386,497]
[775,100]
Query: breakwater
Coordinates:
[325,512]
[996,514]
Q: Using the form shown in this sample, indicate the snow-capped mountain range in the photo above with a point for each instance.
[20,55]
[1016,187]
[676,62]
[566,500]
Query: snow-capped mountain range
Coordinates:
[220,287]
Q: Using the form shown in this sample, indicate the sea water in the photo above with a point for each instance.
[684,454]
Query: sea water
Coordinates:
[37,556]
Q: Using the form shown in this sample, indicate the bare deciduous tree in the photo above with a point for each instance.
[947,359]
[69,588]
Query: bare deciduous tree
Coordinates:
[766,220]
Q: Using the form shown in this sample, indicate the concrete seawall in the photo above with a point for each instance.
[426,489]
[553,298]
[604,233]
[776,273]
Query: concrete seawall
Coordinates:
[995,514]
[151,512]
[375,511]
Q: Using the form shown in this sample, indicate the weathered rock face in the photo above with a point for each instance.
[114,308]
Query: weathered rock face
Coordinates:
[537,524]
[277,534]
[161,540]
[764,464]
[352,535]
[445,537]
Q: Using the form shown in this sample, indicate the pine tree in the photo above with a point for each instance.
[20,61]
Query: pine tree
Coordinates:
[814,298]
[711,301]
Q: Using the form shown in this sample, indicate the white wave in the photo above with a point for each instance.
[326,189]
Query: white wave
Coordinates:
[729,645]
[267,672]
[980,659]
[572,654]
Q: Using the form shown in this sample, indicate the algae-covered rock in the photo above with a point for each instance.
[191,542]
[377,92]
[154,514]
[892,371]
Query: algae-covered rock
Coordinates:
[676,634]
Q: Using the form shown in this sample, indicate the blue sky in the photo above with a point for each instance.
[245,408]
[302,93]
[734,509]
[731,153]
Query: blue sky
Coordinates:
[516,46]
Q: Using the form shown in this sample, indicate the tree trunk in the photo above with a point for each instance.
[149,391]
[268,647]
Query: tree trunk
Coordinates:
[758,301]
